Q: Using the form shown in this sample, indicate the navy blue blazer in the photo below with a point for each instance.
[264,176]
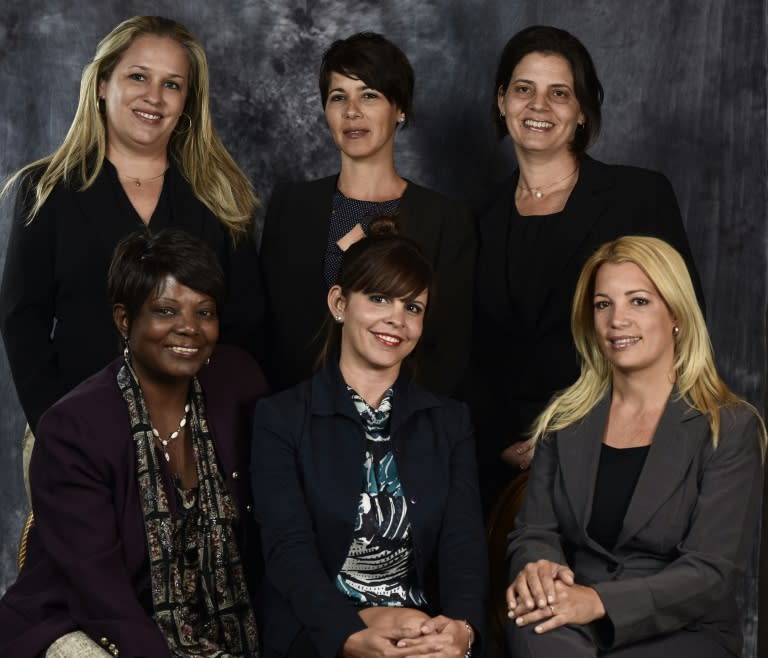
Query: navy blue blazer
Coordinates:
[292,250]
[307,456]
[87,563]
[687,535]
[55,317]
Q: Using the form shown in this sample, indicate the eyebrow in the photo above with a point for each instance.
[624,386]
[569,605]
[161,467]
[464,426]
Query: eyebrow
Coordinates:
[148,68]
[531,82]
[627,293]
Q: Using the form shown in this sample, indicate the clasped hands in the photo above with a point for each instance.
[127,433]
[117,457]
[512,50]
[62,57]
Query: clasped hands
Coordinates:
[545,593]
[406,633]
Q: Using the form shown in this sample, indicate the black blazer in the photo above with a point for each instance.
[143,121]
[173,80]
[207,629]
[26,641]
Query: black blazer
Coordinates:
[292,250]
[307,457]
[522,356]
[54,315]
[687,534]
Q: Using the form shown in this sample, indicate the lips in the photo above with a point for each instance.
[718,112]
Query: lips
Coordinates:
[148,116]
[356,133]
[388,339]
[624,342]
[184,351]
[538,125]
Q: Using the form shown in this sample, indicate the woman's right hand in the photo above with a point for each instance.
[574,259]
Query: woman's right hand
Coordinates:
[519,454]
[534,586]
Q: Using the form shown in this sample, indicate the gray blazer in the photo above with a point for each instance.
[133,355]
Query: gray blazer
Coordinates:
[687,534]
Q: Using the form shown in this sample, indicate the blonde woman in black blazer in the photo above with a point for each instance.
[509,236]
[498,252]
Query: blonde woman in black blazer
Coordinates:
[366,86]
[130,160]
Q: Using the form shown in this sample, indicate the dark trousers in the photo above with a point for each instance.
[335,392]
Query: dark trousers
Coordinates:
[573,642]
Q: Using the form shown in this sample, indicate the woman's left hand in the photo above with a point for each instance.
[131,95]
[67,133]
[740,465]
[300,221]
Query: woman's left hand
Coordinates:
[576,604]
[441,637]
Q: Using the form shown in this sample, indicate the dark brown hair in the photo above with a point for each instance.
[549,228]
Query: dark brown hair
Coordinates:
[554,41]
[383,262]
[379,63]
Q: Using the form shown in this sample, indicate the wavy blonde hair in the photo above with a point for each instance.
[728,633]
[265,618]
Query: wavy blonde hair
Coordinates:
[698,383]
[215,178]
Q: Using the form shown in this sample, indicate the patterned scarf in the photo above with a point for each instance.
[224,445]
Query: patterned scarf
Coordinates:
[200,600]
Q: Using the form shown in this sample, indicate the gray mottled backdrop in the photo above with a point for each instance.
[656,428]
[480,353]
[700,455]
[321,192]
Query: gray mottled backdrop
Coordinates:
[685,94]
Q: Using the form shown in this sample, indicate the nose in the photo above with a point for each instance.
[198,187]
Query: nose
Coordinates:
[153,93]
[539,100]
[188,323]
[397,313]
[619,316]
[352,111]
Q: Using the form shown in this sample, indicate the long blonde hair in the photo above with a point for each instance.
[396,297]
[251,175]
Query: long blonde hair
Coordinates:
[215,178]
[698,383]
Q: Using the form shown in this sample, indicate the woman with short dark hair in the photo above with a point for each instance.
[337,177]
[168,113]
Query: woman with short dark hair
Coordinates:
[537,231]
[365,485]
[366,87]
[142,518]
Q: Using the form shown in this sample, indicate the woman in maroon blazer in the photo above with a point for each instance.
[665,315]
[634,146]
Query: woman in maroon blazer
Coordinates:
[138,477]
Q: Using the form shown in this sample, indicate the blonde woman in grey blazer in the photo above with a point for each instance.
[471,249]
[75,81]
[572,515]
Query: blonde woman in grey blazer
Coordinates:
[645,489]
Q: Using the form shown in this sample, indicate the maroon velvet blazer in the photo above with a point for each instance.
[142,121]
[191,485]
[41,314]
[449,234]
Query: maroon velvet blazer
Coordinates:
[87,565]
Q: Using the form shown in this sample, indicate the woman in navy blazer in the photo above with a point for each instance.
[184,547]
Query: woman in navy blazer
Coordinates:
[141,151]
[91,566]
[536,233]
[366,87]
[646,486]
[365,485]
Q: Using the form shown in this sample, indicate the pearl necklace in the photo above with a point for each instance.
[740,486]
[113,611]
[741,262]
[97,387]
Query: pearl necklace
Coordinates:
[173,434]
[538,192]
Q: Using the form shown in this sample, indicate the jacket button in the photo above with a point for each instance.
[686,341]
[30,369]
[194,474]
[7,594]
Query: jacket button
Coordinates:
[235,475]
[249,508]
[412,500]
[103,642]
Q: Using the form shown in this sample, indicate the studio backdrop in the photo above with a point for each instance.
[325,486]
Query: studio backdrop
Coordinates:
[685,93]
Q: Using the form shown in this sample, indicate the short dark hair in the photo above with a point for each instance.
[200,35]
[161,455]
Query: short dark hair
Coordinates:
[379,63]
[143,260]
[551,40]
[382,262]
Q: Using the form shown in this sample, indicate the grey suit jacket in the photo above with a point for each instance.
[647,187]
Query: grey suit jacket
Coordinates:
[687,534]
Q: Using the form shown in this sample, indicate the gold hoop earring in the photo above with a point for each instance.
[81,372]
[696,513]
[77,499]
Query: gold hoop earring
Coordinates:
[183,131]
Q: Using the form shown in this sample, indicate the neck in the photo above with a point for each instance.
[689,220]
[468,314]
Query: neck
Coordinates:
[370,180]
[538,171]
[371,384]
[643,390]
[138,165]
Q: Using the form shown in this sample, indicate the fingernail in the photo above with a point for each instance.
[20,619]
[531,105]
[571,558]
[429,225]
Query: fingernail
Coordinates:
[519,621]
[538,629]
[550,599]
[542,603]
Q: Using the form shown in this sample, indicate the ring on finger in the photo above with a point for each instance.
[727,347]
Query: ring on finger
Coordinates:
[552,609]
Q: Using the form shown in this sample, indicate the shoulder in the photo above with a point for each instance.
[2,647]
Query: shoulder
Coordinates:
[740,422]
[450,413]
[623,176]
[423,199]
[233,372]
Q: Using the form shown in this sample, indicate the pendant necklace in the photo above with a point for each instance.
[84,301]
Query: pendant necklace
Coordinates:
[173,434]
[538,192]
[138,181]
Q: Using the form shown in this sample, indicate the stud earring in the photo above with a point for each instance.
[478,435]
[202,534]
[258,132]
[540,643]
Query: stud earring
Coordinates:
[338,319]
[675,331]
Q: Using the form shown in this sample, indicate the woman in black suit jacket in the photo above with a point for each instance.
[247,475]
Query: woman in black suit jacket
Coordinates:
[365,485]
[141,151]
[537,232]
[644,497]
[366,86]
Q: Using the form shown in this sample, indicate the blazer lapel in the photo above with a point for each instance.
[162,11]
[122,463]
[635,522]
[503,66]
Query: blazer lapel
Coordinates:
[674,446]
[103,212]
[579,449]
[585,206]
